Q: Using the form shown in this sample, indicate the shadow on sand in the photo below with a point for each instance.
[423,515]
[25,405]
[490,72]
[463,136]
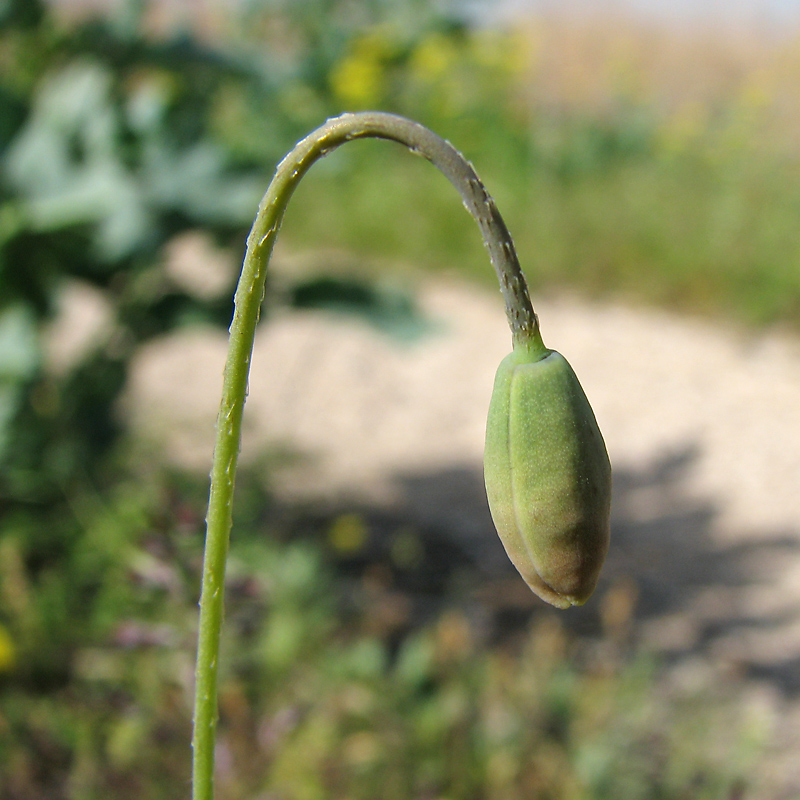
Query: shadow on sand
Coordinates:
[686,593]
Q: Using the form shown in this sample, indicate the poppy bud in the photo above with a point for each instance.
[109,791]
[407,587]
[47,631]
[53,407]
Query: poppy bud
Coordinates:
[548,477]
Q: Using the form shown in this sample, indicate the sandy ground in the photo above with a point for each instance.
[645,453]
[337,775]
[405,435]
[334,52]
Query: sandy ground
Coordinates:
[702,425]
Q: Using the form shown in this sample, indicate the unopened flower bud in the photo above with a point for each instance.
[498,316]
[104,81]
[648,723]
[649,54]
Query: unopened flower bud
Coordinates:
[548,476]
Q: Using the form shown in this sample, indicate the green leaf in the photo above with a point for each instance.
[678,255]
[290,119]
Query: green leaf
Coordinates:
[20,357]
[20,354]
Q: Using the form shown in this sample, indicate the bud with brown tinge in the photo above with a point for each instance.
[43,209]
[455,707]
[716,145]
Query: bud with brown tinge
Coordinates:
[548,476]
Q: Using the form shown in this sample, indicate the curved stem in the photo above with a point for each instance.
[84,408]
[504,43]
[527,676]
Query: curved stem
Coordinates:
[249,295]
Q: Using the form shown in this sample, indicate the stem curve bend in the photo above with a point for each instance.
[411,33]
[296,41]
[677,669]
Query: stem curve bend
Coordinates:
[249,295]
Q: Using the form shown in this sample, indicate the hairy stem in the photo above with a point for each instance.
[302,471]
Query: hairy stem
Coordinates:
[248,299]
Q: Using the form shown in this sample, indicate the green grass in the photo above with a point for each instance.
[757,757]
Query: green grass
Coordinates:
[692,231]
[324,693]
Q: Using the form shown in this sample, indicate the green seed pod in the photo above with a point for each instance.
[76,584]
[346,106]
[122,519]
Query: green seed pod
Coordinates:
[548,477]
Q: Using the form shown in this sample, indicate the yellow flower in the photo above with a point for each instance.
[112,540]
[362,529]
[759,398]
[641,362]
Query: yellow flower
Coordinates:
[7,651]
[359,79]
[758,91]
[348,534]
[509,52]
[683,129]
[433,58]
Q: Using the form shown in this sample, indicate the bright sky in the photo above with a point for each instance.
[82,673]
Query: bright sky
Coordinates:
[767,13]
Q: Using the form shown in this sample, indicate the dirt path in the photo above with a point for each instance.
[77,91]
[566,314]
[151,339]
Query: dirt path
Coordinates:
[702,425]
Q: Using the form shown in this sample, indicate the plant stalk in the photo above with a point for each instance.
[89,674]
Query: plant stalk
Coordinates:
[248,299]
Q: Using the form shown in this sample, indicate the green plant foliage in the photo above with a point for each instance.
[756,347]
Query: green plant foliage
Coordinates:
[97,174]
[386,308]
[113,142]
[321,696]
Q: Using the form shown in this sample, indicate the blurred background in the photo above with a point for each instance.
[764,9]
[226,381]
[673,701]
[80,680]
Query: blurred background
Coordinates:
[377,642]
